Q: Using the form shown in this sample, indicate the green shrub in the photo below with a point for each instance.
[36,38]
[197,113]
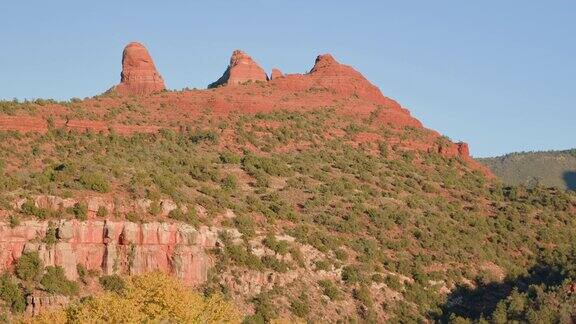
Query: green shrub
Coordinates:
[80,211]
[297,256]
[155,208]
[275,264]
[341,255]
[393,283]
[351,274]
[245,225]
[94,181]
[300,306]
[229,157]
[264,309]
[271,165]
[54,281]
[243,257]
[200,136]
[50,238]
[229,183]
[14,221]
[102,212]
[29,208]
[322,265]
[363,295]
[188,217]
[11,294]
[132,217]
[329,289]
[113,283]
[82,272]
[29,267]
[279,246]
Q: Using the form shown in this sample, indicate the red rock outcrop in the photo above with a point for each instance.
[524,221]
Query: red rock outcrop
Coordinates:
[461,150]
[114,247]
[242,68]
[328,84]
[36,304]
[344,79]
[139,75]
[276,73]
[40,125]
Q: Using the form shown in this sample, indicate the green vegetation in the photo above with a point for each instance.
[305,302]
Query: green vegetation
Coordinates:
[29,267]
[300,306]
[550,169]
[113,283]
[545,294]
[329,289]
[94,181]
[11,294]
[50,237]
[388,219]
[55,282]
[80,211]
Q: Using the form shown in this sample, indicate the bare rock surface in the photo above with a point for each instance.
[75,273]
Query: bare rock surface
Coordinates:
[114,247]
[242,68]
[139,75]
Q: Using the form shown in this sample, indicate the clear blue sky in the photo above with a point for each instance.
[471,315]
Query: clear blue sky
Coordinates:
[500,75]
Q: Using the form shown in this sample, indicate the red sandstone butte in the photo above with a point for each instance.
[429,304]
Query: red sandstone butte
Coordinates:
[328,84]
[276,73]
[139,75]
[242,68]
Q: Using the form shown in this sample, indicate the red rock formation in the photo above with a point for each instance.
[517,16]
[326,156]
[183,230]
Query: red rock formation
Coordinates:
[463,149]
[139,75]
[114,247]
[242,68]
[39,125]
[345,79]
[38,303]
[276,73]
[328,84]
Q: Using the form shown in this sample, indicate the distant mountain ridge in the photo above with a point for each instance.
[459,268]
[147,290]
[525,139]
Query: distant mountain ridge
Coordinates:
[547,168]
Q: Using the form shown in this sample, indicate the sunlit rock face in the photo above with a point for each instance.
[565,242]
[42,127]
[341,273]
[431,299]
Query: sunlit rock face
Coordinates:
[139,75]
[242,68]
[113,247]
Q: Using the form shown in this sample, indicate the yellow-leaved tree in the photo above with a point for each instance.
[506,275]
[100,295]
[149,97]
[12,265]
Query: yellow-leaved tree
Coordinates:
[152,298]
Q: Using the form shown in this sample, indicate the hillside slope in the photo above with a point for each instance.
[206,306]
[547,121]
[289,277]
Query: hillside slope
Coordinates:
[308,196]
[551,168]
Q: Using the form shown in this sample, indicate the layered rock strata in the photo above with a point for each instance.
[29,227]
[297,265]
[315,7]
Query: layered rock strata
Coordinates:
[139,75]
[111,247]
[242,68]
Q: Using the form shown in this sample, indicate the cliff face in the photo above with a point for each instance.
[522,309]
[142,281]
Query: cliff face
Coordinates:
[113,247]
[139,75]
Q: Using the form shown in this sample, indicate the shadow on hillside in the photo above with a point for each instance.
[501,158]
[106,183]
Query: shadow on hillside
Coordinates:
[570,179]
[472,303]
